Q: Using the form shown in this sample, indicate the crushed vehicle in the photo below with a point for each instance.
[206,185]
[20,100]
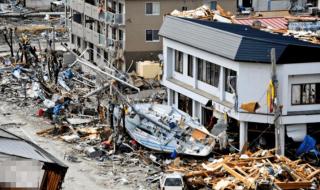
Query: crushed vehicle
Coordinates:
[172,181]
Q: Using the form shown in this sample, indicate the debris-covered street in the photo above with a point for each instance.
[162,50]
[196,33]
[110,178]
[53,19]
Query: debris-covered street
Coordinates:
[119,172]
[169,95]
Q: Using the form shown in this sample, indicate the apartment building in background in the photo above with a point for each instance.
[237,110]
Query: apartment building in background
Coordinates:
[125,31]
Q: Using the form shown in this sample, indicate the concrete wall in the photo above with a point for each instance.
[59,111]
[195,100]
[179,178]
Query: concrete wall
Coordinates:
[137,22]
[38,4]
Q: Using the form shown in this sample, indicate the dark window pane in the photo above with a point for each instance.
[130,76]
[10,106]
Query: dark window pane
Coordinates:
[148,8]
[185,104]
[216,75]
[213,5]
[200,69]
[178,61]
[190,66]
[148,35]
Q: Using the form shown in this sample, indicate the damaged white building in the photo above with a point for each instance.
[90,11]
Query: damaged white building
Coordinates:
[200,57]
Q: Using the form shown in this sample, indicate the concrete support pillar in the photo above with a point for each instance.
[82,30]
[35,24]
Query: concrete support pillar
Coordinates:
[281,131]
[222,84]
[239,3]
[169,96]
[185,64]
[176,97]
[194,108]
[243,134]
[318,4]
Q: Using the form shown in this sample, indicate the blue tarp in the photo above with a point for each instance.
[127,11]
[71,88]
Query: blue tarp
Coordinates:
[308,145]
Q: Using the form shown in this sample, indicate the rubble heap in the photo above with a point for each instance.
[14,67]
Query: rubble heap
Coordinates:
[262,169]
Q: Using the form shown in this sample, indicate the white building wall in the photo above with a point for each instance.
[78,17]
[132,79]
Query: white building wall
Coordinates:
[253,79]
[252,84]
[298,74]
[275,5]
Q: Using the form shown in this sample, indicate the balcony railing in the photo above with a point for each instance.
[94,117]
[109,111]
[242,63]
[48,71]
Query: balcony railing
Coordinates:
[102,39]
[112,18]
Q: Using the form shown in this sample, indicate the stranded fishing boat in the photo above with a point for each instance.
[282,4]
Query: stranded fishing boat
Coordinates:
[166,129]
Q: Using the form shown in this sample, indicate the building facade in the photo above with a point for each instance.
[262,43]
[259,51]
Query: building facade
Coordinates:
[124,30]
[279,5]
[213,68]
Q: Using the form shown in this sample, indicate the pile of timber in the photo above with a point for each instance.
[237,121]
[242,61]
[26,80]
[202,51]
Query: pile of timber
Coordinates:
[260,170]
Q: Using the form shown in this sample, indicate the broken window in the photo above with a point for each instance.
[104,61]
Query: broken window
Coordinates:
[152,35]
[178,61]
[185,104]
[190,65]
[184,8]
[207,113]
[152,8]
[231,74]
[305,94]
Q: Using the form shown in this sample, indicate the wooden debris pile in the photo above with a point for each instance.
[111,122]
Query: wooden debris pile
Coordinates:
[260,170]
[205,13]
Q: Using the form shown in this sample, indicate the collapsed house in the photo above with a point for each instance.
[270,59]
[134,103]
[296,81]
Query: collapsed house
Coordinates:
[216,70]
[19,157]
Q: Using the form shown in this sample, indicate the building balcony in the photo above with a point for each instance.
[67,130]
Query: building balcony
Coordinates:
[77,29]
[95,37]
[77,5]
[91,11]
[112,44]
[115,18]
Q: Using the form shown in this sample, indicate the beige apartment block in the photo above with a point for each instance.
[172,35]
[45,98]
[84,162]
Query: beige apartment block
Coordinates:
[125,31]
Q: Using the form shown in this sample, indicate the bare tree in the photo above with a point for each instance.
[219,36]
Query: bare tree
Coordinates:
[7,35]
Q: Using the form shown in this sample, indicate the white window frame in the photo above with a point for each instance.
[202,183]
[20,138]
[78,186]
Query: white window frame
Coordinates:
[152,36]
[153,14]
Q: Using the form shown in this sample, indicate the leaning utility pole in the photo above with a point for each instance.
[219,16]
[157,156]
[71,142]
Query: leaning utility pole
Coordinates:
[275,102]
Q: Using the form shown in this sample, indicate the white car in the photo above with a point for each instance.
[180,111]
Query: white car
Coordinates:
[173,181]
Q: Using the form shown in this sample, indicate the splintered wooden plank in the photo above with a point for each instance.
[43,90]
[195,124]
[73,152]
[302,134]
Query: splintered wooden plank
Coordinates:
[240,177]
[313,174]
[294,185]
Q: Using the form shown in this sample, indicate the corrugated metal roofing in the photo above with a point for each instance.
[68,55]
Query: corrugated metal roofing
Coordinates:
[13,145]
[274,23]
[21,149]
[206,38]
[255,45]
